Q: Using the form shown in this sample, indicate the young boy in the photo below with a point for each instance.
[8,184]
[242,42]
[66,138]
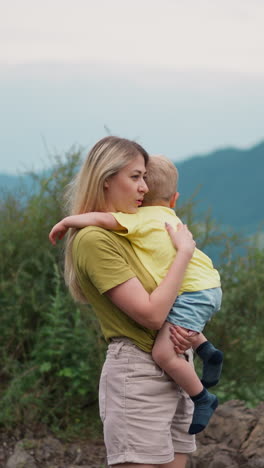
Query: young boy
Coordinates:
[200,294]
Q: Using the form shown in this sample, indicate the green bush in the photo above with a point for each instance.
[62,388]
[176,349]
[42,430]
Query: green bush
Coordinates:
[238,329]
[51,349]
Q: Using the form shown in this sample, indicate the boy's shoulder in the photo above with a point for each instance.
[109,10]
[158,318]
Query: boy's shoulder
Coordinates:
[157,212]
[156,209]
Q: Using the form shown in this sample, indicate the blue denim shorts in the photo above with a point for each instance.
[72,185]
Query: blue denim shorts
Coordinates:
[192,310]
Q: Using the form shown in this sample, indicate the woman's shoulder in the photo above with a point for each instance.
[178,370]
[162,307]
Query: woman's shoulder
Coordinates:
[92,234]
[95,239]
[98,255]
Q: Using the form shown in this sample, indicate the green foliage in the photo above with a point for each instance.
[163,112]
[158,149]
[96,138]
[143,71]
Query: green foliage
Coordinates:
[51,349]
[239,328]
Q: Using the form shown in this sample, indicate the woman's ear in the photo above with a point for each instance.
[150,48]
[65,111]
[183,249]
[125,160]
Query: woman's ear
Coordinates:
[106,184]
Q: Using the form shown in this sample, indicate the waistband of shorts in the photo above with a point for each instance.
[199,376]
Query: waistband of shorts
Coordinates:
[127,346]
[124,344]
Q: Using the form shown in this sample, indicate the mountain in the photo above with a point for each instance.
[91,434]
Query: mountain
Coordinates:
[20,184]
[230,183]
[8,181]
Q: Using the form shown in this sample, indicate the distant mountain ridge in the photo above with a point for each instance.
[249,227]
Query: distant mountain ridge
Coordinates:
[8,181]
[231,183]
[11,182]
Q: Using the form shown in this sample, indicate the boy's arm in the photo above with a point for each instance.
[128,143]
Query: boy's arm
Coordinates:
[103,220]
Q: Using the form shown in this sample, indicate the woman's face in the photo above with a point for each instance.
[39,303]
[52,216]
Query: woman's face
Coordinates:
[125,190]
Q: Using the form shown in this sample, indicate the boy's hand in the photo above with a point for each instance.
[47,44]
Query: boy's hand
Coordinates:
[181,238]
[58,232]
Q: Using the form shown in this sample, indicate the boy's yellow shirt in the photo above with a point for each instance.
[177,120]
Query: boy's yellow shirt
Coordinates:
[149,238]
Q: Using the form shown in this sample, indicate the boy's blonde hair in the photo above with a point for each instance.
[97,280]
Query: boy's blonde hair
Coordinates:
[162,180]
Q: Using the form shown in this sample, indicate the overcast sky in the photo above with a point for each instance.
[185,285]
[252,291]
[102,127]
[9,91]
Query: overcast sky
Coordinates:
[182,76]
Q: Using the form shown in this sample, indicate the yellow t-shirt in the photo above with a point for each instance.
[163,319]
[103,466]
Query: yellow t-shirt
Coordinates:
[147,233]
[103,260]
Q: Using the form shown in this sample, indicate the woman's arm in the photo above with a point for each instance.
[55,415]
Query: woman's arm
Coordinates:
[151,310]
[103,220]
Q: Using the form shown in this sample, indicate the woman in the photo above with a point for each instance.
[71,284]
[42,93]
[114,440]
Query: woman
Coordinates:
[145,414]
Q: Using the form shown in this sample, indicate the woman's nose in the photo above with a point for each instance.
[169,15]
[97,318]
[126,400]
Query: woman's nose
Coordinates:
[143,187]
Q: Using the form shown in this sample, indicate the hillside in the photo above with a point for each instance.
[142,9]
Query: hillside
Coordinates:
[230,183]
[12,182]
[8,181]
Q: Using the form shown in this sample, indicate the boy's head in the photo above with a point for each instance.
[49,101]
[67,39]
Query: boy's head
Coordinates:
[162,181]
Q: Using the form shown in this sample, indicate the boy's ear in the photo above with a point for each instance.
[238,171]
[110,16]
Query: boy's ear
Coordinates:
[173,199]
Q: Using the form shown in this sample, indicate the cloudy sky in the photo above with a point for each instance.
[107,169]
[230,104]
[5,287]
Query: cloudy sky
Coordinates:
[181,76]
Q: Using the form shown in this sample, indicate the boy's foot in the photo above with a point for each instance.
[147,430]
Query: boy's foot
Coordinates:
[205,404]
[212,363]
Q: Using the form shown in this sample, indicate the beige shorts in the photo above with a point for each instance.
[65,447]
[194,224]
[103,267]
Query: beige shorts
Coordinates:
[146,416]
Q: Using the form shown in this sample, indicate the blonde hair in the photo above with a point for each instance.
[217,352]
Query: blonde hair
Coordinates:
[86,191]
[162,180]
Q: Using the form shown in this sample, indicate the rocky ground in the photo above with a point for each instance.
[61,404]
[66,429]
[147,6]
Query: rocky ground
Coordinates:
[47,451]
[233,439]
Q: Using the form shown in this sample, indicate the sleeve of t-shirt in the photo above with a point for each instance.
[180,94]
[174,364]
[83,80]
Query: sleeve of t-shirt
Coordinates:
[98,255]
[128,221]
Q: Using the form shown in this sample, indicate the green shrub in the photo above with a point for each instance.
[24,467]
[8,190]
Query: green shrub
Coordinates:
[238,329]
[51,349]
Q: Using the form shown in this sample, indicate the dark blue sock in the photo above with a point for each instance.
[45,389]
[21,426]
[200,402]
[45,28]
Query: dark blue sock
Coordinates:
[204,405]
[212,363]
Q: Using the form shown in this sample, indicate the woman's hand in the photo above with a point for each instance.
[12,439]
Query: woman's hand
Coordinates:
[58,232]
[182,239]
[181,338]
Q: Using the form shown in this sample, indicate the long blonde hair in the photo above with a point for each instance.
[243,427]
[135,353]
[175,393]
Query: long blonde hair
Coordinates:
[86,191]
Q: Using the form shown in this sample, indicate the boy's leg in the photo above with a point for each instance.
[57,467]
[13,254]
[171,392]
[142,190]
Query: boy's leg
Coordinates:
[181,371]
[212,360]
[184,375]
[193,310]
